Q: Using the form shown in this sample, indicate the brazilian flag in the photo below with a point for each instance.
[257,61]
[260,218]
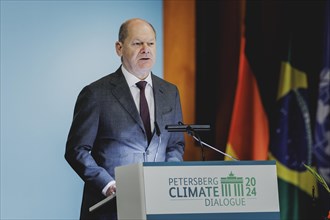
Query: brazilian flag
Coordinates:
[291,144]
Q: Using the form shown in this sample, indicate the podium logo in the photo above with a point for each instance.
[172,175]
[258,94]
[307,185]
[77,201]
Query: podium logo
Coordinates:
[234,191]
[234,186]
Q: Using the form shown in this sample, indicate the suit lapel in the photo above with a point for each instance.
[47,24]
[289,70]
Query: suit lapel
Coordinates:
[161,105]
[123,94]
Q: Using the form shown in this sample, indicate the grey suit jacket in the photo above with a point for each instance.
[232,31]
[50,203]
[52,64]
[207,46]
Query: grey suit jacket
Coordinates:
[107,132]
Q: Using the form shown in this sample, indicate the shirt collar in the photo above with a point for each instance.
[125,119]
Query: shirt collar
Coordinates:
[132,80]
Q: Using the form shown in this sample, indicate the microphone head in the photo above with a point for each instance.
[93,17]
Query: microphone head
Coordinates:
[184,128]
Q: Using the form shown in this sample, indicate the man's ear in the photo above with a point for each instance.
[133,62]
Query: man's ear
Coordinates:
[119,47]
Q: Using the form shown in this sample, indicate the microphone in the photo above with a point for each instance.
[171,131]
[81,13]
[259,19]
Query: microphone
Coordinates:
[183,128]
[191,130]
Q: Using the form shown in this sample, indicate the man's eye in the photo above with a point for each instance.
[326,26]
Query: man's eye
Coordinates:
[137,44]
[151,43]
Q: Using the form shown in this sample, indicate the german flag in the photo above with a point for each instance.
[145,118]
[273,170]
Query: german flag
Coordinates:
[248,134]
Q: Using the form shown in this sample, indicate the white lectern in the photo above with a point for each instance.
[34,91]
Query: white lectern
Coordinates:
[198,190]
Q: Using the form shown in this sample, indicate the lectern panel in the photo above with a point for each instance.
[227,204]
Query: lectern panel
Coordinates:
[191,190]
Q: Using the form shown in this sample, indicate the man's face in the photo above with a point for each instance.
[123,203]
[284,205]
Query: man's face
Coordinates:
[138,51]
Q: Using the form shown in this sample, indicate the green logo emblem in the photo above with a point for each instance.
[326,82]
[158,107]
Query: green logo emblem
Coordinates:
[232,186]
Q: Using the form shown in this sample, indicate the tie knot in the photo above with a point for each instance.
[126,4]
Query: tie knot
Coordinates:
[141,85]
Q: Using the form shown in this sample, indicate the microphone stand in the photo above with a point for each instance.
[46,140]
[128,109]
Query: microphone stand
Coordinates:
[193,133]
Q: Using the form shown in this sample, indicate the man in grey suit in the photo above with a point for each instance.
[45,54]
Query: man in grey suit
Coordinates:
[107,130]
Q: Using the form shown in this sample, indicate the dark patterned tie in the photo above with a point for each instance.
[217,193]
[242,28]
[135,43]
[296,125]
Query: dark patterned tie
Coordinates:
[144,110]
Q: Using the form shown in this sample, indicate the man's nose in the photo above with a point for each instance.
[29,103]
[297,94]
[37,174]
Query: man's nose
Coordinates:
[145,48]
